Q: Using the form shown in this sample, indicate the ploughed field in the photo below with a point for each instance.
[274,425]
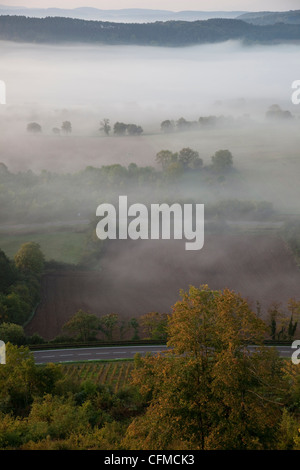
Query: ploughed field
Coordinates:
[138,277]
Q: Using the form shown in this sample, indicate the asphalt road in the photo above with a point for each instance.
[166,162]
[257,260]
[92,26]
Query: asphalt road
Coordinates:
[114,352]
[94,354]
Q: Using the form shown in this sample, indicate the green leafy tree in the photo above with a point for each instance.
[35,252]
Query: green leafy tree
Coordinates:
[154,325]
[190,158]
[84,325]
[30,258]
[17,309]
[107,324]
[17,380]
[165,158]
[12,333]
[283,325]
[222,161]
[134,324]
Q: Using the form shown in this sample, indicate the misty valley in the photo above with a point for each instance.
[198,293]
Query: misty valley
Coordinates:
[84,125]
[94,140]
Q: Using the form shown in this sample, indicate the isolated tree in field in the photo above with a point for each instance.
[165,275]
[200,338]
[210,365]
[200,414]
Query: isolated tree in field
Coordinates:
[66,127]
[105,126]
[167,126]
[34,128]
[30,258]
[209,393]
[84,325]
[222,161]
[56,130]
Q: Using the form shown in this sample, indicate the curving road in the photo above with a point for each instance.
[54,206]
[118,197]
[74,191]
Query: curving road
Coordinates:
[114,352]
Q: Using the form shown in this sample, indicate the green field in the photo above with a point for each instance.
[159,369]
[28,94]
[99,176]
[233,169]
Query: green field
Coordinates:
[116,374]
[62,246]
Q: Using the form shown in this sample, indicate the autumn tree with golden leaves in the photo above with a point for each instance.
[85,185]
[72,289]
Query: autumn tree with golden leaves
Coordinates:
[211,391]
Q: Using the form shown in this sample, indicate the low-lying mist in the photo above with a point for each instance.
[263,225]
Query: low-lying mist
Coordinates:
[45,179]
[148,83]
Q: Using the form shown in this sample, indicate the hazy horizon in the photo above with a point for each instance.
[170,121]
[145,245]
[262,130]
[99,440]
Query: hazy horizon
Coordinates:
[172,5]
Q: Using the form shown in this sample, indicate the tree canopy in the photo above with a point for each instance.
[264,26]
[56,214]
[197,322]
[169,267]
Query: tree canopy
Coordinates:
[209,392]
[30,258]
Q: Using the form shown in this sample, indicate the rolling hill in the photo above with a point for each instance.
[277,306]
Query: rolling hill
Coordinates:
[270,17]
[134,15]
[170,33]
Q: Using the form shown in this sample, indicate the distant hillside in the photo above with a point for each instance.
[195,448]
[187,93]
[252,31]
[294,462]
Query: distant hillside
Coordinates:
[270,18]
[137,15]
[172,33]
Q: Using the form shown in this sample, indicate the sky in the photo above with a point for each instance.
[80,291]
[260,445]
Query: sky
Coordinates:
[174,5]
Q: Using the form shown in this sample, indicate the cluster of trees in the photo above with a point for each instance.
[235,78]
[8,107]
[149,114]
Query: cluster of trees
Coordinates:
[283,325]
[84,327]
[169,33]
[27,197]
[120,128]
[182,124]
[206,393]
[188,159]
[36,128]
[30,197]
[275,113]
[20,283]
[168,125]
